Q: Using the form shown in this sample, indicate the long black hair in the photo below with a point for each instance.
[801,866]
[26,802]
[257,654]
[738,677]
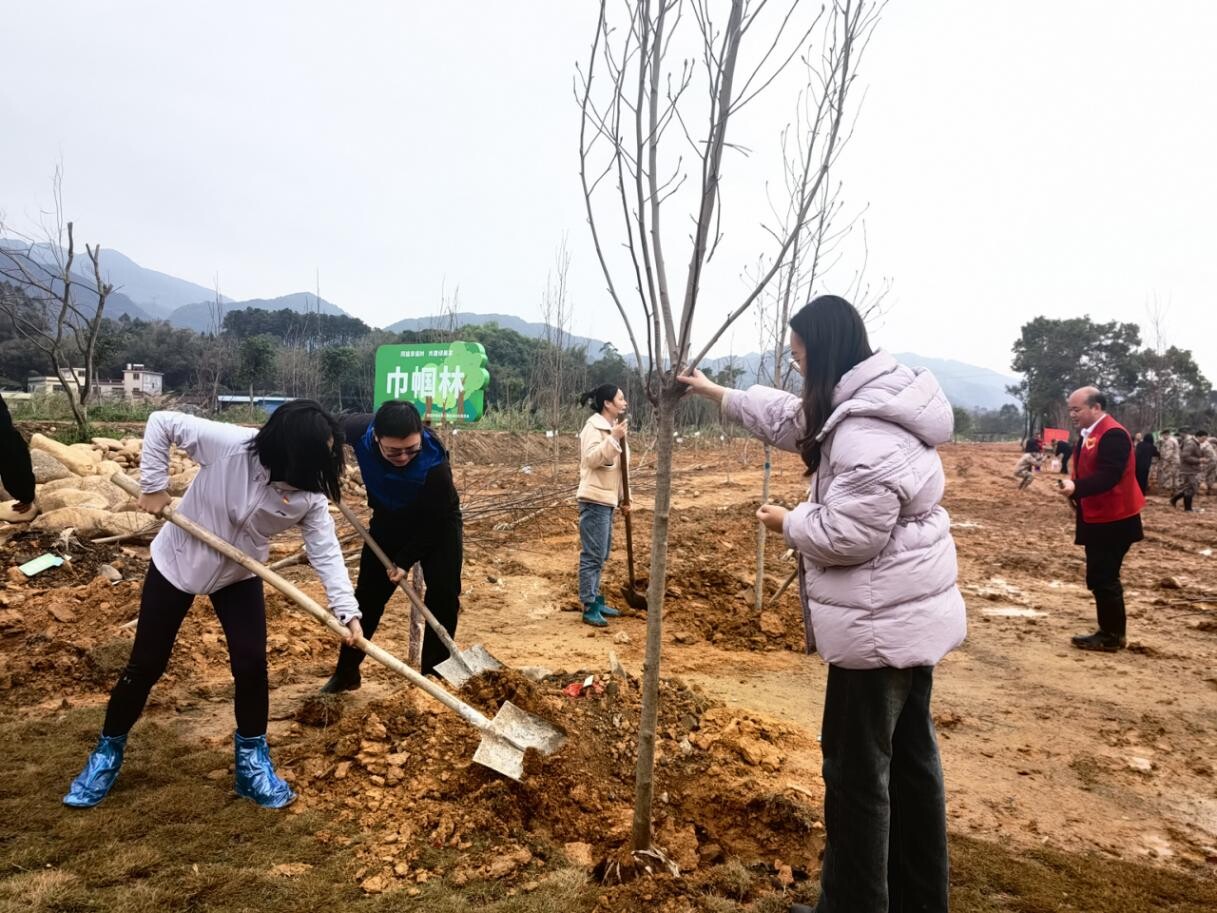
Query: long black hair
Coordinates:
[834,337]
[596,398]
[301,444]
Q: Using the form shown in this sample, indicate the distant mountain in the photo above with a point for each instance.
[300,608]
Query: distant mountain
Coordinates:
[84,294]
[528,328]
[159,294]
[197,316]
[965,385]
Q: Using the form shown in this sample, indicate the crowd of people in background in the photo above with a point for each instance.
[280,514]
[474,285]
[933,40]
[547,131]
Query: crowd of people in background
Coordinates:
[1178,463]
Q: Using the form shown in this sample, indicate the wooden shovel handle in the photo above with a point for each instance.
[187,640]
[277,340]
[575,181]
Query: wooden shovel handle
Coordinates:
[629,526]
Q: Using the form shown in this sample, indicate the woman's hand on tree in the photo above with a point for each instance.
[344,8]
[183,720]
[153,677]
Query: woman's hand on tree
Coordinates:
[773,516]
[698,383]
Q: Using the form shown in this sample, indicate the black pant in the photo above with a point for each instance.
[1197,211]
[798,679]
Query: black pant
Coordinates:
[884,800]
[1142,474]
[1065,464]
[162,608]
[1103,579]
[440,552]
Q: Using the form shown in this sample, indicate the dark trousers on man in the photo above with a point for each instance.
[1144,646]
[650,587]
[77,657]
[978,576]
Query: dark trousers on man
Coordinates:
[884,800]
[440,552]
[1103,562]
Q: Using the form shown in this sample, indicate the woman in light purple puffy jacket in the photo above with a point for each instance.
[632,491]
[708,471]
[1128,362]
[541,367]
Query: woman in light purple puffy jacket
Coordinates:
[877,574]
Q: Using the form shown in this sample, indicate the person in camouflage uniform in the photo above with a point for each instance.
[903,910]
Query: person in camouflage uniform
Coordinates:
[1168,462]
[1027,465]
[1189,471]
[1208,462]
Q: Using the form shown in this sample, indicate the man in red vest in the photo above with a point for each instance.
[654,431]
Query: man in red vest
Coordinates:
[1108,505]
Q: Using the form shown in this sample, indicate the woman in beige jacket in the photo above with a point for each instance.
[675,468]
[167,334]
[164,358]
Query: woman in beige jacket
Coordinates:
[602,445]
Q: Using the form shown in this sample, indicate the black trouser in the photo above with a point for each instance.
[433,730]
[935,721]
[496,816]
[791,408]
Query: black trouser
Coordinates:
[1142,474]
[162,608]
[884,801]
[1103,579]
[439,549]
[1065,464]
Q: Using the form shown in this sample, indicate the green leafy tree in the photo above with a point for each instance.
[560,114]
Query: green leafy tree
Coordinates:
[339,365]
[257,362]
[1058,356]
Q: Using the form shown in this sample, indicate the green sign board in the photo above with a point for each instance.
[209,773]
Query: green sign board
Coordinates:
[444,380]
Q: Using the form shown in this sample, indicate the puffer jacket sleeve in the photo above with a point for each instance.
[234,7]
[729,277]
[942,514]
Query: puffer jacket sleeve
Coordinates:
[204,441]
[855,517]
[325,555]
[774,416]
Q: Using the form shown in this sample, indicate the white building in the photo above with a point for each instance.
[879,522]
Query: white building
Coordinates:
[137,383]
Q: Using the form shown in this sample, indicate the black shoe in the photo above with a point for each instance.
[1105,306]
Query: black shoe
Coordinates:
[342,680]
[1099,641]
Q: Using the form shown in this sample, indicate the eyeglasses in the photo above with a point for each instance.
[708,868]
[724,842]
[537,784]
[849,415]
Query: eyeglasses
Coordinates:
[391,452]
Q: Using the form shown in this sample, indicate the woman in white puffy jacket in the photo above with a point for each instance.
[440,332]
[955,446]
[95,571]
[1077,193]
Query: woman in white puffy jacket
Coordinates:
[877,573]
[251,485]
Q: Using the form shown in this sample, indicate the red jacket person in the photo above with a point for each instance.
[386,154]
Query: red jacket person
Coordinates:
[1108,505]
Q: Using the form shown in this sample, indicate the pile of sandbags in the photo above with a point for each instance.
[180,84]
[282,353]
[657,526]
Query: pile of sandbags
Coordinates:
[74,487]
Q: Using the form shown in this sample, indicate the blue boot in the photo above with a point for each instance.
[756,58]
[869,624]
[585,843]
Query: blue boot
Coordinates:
[92,784]
[256,777]
[606,610]
[592,615]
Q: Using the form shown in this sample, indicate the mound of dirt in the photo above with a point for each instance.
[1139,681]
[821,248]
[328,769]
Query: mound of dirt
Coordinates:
[402,770]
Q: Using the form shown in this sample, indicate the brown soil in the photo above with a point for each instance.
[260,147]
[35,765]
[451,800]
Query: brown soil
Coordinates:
[1104,758]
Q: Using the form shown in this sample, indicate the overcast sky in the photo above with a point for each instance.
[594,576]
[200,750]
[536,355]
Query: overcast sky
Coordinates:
[1014,158]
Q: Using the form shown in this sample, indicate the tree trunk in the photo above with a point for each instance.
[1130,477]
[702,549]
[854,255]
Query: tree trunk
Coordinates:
[644,783]
[760,537]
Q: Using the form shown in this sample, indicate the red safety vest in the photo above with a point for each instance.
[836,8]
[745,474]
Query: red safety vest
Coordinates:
[1125,499]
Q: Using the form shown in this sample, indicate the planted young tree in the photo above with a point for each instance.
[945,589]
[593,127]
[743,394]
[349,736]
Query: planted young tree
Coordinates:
[640,124]
[58,310]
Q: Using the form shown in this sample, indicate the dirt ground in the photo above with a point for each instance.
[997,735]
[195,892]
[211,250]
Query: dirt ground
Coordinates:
[1075,781]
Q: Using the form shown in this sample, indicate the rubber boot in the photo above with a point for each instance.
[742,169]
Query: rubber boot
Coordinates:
[593,616]
[343,679]
[256,777]
[99,774]
[606,610]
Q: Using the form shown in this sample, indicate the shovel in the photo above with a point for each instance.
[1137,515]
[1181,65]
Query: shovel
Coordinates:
[461,665]
[633,598]
[505,739]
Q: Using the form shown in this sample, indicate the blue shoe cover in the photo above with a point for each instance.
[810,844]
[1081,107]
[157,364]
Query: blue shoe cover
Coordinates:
[256,777]
[99,773]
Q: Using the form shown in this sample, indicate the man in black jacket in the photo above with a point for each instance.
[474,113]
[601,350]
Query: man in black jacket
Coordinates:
[1064,450]
[416,517]
[16,470]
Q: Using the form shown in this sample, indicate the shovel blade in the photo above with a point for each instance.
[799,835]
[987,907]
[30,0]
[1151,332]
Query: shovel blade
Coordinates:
[478,660]
[454,672]
[500,755]
[458,668]
[526,730]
